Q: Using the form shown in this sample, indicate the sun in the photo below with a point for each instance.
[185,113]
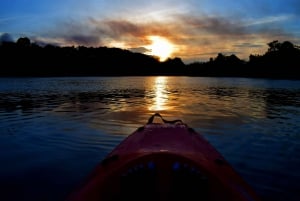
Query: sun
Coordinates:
[160,47]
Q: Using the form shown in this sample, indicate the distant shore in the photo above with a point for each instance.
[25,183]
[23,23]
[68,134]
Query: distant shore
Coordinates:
[23,58]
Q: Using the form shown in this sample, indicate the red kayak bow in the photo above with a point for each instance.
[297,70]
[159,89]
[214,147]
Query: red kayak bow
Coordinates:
[164,161]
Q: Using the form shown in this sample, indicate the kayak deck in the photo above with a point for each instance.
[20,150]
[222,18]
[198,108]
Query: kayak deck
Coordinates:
[164,162]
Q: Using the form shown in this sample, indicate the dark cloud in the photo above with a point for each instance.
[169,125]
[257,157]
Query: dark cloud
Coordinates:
[214,25]
[117,28]
[248,45]
[80,33]
[140,50]
[5,37]
[43,43]
[87,40]
[71,32]
[184,29]
[221,26]
[217,30]
[194,36]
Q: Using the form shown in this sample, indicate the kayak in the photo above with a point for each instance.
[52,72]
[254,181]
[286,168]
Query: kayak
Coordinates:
[164,161]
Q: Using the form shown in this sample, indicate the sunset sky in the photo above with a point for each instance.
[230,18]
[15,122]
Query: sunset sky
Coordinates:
[193,30]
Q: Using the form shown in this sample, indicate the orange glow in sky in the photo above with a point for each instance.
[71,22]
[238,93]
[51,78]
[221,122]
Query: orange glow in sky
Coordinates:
[193,30]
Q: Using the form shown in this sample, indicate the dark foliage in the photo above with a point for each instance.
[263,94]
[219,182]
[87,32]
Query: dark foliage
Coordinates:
[23,58]
[281,61]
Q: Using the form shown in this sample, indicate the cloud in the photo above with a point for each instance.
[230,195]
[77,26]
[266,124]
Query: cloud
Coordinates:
[5,37]
[70,32]
[214,25]
[140,50]
[120,29]
[194,36]
[87,40]
[248,45]
[268,20]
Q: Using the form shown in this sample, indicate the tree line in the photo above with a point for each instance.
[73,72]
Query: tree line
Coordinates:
[23,58]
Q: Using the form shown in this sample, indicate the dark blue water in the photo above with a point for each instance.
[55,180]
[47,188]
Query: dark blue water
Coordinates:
[53,131]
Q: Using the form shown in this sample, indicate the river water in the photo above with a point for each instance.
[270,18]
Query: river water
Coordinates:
[54,131]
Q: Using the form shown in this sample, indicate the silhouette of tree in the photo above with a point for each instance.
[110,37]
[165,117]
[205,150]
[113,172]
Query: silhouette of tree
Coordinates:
[286,45]
[23,58]
[23,42]
[274,46]
[220,58]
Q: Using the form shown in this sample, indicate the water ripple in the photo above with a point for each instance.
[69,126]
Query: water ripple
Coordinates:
[58,129]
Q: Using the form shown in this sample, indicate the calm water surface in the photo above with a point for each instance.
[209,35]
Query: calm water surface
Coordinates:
[53,131]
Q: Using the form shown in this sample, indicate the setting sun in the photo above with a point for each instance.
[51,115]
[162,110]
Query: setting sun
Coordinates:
[160,47]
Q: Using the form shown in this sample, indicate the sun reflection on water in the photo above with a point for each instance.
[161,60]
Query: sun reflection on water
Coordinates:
[160,94]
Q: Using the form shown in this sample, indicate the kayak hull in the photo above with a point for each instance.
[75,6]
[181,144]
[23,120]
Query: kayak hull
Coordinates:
[164,162]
